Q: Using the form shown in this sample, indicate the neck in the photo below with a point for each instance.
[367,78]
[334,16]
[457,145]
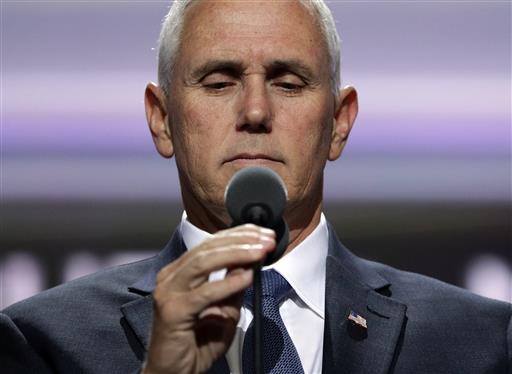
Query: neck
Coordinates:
[209,219]
[302,220]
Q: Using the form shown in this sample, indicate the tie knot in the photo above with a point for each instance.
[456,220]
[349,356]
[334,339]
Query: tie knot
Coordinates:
[273,285]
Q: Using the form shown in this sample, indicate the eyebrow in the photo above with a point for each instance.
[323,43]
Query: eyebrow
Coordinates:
[237,67]
[294,66]
[233,66]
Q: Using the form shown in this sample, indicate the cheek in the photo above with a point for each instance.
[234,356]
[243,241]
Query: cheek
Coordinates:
[306,138]
[308,127]
[198,127]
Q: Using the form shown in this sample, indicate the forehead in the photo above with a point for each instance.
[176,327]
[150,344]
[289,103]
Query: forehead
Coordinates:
[252,29]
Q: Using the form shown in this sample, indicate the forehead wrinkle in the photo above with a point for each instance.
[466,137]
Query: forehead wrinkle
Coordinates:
[250,18]
[246,21]
[220,30]
[294,65]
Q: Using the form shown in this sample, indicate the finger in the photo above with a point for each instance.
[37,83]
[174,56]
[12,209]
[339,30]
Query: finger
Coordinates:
[184,307]
[228,307]
[248,227]
[245,234]
[197,268]
[211,293]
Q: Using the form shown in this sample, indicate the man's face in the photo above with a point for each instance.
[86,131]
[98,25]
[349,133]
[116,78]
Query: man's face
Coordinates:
[251,87]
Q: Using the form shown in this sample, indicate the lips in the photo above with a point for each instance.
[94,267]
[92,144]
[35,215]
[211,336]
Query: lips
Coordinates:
[252,156]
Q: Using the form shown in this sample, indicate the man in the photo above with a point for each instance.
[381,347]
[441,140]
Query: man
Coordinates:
[241,84]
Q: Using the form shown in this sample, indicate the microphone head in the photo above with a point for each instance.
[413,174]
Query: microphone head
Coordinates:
[256,195]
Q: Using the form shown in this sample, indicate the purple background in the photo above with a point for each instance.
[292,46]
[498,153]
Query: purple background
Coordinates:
[433,79]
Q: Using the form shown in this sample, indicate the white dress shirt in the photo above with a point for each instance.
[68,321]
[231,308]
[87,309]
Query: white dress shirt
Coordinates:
[303,312]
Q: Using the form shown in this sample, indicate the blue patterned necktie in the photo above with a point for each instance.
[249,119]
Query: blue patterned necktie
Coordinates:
[279,353]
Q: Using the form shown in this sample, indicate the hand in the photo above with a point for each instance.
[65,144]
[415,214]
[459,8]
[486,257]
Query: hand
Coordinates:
[194,321]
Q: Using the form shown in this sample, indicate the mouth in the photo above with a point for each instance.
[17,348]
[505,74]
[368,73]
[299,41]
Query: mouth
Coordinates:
[252,158]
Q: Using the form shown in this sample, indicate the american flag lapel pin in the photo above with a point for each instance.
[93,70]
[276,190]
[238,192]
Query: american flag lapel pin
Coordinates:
[357,319]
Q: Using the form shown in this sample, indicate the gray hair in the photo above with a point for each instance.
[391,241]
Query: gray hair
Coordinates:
[172,27]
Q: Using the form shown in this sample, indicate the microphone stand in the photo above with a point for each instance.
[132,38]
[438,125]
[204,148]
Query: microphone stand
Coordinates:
[258,325]
[259,217]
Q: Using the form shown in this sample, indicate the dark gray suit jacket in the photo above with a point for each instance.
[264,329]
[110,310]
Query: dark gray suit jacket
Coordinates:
[100,323]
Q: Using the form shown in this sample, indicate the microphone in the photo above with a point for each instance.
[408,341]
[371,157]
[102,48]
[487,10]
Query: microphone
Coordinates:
[258,195]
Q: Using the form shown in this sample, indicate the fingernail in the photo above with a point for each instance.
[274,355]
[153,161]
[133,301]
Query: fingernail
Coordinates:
[267,231]
[254,246]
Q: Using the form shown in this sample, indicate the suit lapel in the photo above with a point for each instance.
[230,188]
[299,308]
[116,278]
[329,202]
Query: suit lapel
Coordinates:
[353,287]
[138,313]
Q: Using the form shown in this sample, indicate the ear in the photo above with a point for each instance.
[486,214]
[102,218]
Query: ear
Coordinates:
[344,118]
[157,117]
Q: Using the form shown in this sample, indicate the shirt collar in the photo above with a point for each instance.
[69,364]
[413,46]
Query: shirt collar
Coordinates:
[303,267]
[192,235]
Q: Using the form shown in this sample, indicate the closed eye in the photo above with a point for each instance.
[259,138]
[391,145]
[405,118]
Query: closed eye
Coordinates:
[218,81]
[289,86]
[218,86]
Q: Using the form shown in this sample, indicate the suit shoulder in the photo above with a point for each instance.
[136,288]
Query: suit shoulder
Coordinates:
[67,327]
[423,290]
[105,287]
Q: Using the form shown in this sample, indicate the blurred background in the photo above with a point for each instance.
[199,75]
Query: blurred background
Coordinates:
[424,183]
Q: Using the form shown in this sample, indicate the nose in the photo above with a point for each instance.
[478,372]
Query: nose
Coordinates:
[255,109]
